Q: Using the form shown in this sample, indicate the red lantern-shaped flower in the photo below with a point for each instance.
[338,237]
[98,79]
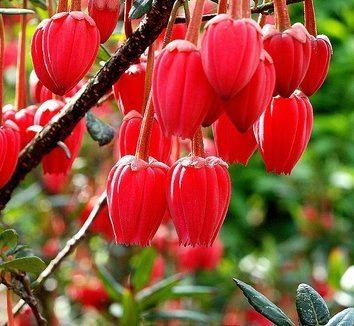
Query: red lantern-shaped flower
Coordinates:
[160,146]
[37,55]
[58,161]
[319,64]
[291,53]
[23,118]
[9,150]
[231,145]
[129,89]
[67,43]
[105,14]
[182,94]
[230,53]
[136,199]
[245,108]
[283,131]
[198,196]
[215,111]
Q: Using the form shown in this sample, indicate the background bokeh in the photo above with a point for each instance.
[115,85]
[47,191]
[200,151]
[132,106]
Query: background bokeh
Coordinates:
[280,230]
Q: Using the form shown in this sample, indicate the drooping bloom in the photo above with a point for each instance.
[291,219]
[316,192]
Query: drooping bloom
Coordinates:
[215,111]
[231,145]
[160,146]
[319,64]
[136,199]
[58,161]
[63,49]
[9,150]
[291,54]
[182,94]
[245,108]
[230,53]
[283,132]
[129,89]
[105,14]
[23,118]
[198,196]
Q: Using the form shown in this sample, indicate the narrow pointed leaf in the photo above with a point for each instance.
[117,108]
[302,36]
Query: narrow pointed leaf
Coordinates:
[344,318]
[8,239]
[160,291]
[113,288]
[139,8]
[263,305]
[98,130]
[311,307]
[33,265]
[142,265]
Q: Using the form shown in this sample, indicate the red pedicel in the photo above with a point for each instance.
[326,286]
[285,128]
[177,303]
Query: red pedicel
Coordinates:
[245,108]
[136,199]
[198,196]
[291,54]
[57,162]
[283,131]
[230,53]
[231,145]
[182,94]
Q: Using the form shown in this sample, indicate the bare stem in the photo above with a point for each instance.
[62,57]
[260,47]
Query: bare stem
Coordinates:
[310,17]
[246,9]
[194,26]
[62,6]
[171,23]
[2,46]
[75,5]
[236,9]
[21,94]
[50,8]
[282,15]
[128,29]
[197,144]
[222,7]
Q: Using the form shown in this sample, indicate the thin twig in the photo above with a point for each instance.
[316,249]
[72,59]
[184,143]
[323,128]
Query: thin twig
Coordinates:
[70,246]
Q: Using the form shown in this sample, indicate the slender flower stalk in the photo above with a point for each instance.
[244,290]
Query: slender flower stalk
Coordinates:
[62,6]
[171,22]
[310,17]
[246,9]
[187,12]
[282,15]
[20,98]
[236,9]
[222,7]
[50,8]
[75,5]
[2,46]
[128,29]
[148,75]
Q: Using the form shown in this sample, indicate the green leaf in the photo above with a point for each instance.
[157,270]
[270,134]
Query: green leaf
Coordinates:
[140,8]
[113,288]
[39,3]
[129,317]
[142,265]
[8,238]
[191,291]
[160,291]
[15,11]
[311,307]
[103,53]
[186,315]
[32,265]
[16,250]
[98,130]
[343,318]
[263,305]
